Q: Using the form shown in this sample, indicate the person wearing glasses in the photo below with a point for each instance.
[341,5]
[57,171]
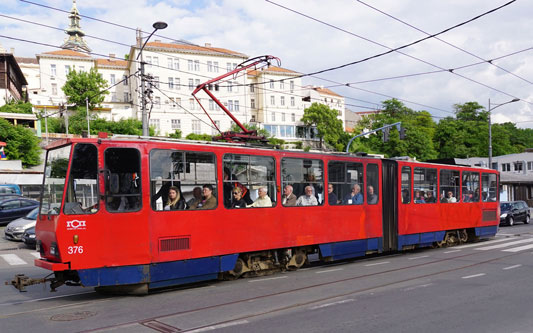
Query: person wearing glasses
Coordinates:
[238,201]
[263,200]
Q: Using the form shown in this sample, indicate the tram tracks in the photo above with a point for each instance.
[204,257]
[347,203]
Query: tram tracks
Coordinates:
[156,324]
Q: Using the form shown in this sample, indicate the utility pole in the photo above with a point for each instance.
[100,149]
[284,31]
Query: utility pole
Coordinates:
[88,119]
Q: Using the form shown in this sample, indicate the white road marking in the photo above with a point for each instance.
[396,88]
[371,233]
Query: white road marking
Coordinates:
[13,259]
[331,304]
[419,286]
[36,255]
[452,251]
[216,327]
[473,276]
[486,242]
[499,246]
[378,263]
[414,258]
[330,270]
[511,267]
[267,279]
[499,234]
[520,248]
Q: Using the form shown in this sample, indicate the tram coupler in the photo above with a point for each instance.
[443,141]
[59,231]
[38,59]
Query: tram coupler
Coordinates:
[21,281]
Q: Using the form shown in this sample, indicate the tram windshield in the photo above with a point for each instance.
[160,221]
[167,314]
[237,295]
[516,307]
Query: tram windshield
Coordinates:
[55,173]
[82,190]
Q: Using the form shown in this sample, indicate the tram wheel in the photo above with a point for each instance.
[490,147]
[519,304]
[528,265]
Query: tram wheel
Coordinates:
[463,236]
[239,269]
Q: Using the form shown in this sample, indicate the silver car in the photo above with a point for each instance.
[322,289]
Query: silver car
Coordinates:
[15,229]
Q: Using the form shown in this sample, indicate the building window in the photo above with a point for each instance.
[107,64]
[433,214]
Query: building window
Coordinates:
[191,103]
[157,102]
[175,124]
[197,65]
[291,84]
[156,81]
[236,86]
[114,97]
[112,79]
[178,101]
[214,130]
[230,105]
[271,84]
[211,105]
[273,116]
[281,85]
[170,83]
[252,88]
[230,87]
[228,66]
[283,117]
[292,101]
[67,69]
[149,61]
[125,80]
[518,166]
[191,84]
[293,117]
[126,97]
[54,88]
[282,100]
[53,70]
[196,127]
[82,68]
[530,165]
[209,66]
[156,62]
[169,63]
[215,66]
[190,65]
[236,105]
[177,84]
[272,100]
[252,103]
[506,166]
[176,64]
[155,124]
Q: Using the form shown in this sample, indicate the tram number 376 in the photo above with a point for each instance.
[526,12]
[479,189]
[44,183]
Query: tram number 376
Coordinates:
[75,249]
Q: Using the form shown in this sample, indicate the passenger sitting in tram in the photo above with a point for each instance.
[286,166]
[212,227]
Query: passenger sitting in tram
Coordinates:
[355,197]
[238,201]
[372,197]
[467,197]
[430,198]
[229,184]
[209,201]
[175,200]
[307,199]
[450,197]
[263,200]
[197,197]
[288,198]
[406,198]
[419,197]
[332,197]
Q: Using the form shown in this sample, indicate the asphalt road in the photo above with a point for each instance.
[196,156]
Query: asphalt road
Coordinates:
[481,287]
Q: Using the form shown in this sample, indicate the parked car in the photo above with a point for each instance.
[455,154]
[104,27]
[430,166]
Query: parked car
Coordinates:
[29,238]
[514,211]
[11,209]
[15,229]
[10,189]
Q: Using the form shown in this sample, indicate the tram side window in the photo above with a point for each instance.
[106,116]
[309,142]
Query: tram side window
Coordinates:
[182,180]
[348,182]
[82,186]
[123,181]
[406,185]
[306,177]
[249,181]
[425,185]
[489,187]
[372,184]
[470,188]
[449,186]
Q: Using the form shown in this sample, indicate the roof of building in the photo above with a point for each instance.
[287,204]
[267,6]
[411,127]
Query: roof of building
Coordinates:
[67,53]
[195,49]
[11,59]
[506,177]
[23,60]
[111,63]
[271,70]
[326,91]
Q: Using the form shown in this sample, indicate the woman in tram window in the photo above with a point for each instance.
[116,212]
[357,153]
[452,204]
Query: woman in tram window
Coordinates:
[175,200]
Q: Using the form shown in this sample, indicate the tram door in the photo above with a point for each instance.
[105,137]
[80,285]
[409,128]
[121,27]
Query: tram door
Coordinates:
[390,205]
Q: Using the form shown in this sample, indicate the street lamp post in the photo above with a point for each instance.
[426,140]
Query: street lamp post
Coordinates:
[490,126]
[157,26]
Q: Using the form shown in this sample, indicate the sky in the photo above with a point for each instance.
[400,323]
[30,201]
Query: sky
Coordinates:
[310,36]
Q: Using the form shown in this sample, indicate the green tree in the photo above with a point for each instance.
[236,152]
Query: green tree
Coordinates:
[328,126]
[22,144]
[17,107]
[199,137]
[81,85]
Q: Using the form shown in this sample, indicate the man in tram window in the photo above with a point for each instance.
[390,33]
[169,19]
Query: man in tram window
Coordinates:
[332,197]
[307,199]
[372,197]
[288,198]
[430,198]
[209,201]
[450,198]
[355,197]
[263,200]
[196,197]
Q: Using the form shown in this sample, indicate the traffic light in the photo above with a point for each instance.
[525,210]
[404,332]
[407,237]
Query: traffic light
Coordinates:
[386,134]
[402,133]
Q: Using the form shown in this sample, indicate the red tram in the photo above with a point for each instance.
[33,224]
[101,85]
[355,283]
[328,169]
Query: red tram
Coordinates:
[105,219]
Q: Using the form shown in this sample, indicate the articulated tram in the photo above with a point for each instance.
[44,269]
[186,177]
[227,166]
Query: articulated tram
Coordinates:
[104,219]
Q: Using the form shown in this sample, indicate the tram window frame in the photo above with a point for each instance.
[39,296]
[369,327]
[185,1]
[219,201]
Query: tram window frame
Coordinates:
[372,179]
[489,187]
[55,176]
[115,182]
[79,166]
[341,176]
[470,184]
[406,170]
[425,180]
[449,180]
[248,182]
[288,178]
[178,169]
